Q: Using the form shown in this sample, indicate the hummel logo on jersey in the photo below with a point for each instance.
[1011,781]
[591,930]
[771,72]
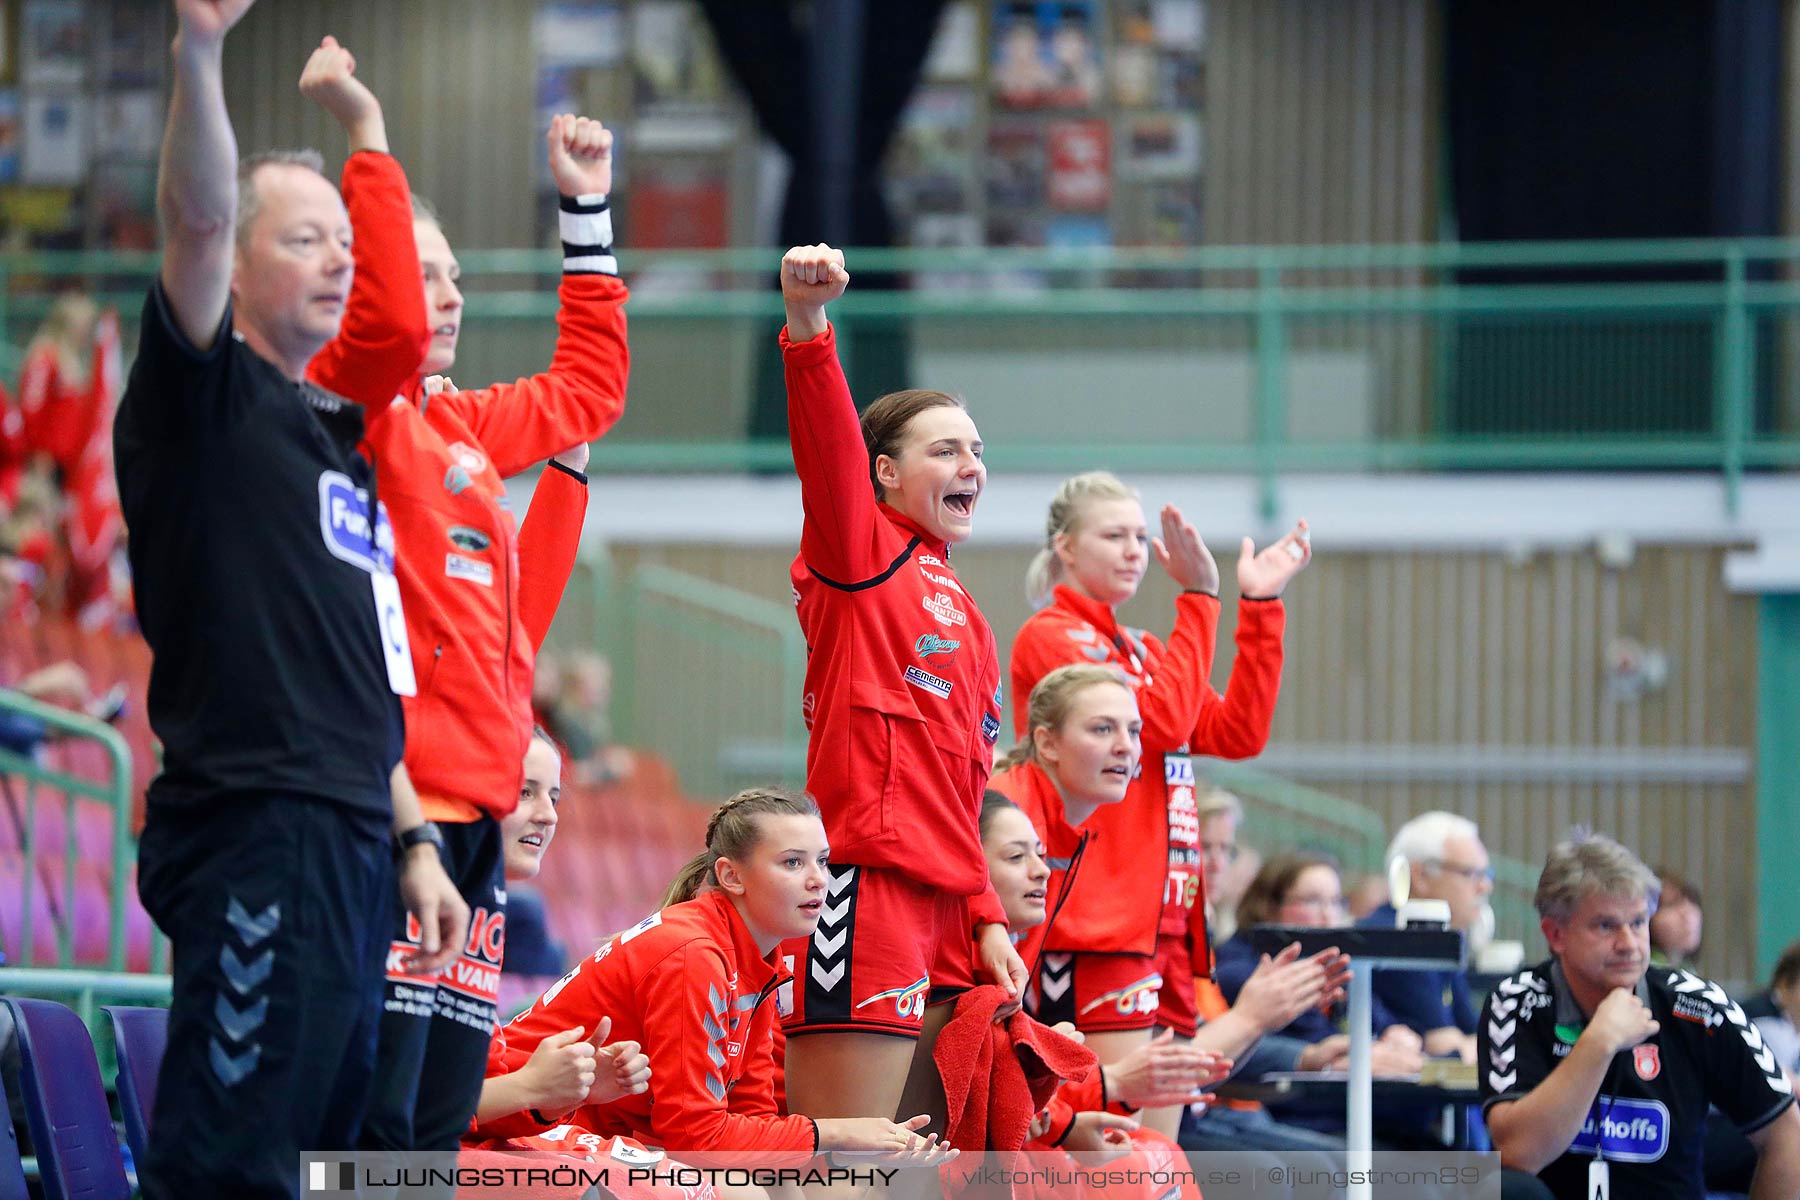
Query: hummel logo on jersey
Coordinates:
[828,960]
[1055,976]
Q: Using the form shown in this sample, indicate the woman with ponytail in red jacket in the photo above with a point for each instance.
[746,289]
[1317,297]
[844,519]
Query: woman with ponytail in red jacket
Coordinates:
[1135,918]
[694,984]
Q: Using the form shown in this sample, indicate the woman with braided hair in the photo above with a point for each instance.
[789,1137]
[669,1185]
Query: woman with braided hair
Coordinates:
[694,983]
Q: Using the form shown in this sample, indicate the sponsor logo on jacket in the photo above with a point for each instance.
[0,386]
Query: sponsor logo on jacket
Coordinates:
[471,541]
[944,609]
[930,646]
[457,566]
[467,457]
[928,682]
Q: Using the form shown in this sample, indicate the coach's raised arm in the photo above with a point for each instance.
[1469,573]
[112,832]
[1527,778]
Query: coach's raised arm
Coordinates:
[263,569]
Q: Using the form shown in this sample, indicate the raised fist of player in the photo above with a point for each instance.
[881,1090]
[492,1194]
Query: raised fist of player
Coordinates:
[208,20]
[581,159]
[329,80]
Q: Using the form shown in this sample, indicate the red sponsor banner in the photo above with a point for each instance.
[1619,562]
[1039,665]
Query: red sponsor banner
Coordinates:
[1080,176]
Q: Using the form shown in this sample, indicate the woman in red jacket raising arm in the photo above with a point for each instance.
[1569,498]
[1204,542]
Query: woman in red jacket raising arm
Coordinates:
[1130,922]
[902,702]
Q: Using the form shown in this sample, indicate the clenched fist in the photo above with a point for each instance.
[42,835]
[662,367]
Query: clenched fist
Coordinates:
[811,278]
[1621,1022]
[581,158]
[329,80]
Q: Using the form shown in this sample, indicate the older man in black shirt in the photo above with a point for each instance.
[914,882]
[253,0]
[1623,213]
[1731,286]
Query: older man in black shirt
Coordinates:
[263,567]
[1596,1074]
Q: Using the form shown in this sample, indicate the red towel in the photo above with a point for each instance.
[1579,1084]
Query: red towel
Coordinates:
[997,1076]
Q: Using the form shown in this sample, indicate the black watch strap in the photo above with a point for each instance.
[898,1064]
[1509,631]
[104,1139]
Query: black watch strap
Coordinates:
[424,833]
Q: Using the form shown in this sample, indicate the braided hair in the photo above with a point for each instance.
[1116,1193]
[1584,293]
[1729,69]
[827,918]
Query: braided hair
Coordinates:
[733,833]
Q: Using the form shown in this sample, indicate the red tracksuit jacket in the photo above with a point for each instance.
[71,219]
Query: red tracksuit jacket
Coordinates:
[902,679]
[690,985]
[439,462]
[1130,886]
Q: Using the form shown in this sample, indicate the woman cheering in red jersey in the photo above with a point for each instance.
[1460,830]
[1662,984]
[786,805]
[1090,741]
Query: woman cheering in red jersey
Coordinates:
[1135,914]
[903,706]
[694,984]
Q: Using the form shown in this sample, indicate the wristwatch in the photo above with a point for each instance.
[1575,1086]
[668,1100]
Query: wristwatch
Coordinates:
[422,834]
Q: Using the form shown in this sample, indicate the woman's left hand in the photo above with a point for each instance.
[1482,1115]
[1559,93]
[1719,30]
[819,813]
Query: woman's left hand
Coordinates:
[1262,576]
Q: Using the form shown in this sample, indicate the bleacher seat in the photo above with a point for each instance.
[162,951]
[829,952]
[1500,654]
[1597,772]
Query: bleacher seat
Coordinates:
[140,1035]
[12,1170]
[65,1105]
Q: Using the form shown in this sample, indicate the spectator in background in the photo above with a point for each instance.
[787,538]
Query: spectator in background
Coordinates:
[1366,894]
[70,382]
[1220,813]
[573,701]
[1777,1011]
[68,390]
[1447,862]
[1303,888]
[1677,924]
[63,684]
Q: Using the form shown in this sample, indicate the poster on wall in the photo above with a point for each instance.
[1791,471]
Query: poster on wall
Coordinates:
[956,46]
[1161,146]
[675,205]
[123,196]
[55,138]
[136,45]
[53,42]
[1046,54]
[578,35]
[1015,165]
[9,137]
[1080,174]
[928,169]
[130,126]
[672,56]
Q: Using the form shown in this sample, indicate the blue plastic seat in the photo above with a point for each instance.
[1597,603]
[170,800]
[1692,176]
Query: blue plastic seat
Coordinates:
[141,1035]
[65,1105]
[12,1170]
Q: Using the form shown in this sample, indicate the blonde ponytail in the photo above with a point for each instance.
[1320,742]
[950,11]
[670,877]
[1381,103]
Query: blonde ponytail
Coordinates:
[1066,507]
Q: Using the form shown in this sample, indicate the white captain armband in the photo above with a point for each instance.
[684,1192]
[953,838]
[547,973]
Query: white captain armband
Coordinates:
[587,235]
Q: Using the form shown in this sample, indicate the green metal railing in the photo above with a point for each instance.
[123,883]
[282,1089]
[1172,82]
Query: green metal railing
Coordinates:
[1687,371]
[686,653]
[115,791]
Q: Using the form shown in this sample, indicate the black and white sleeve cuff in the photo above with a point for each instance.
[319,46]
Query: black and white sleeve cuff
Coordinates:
[578,476]
[587,235]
